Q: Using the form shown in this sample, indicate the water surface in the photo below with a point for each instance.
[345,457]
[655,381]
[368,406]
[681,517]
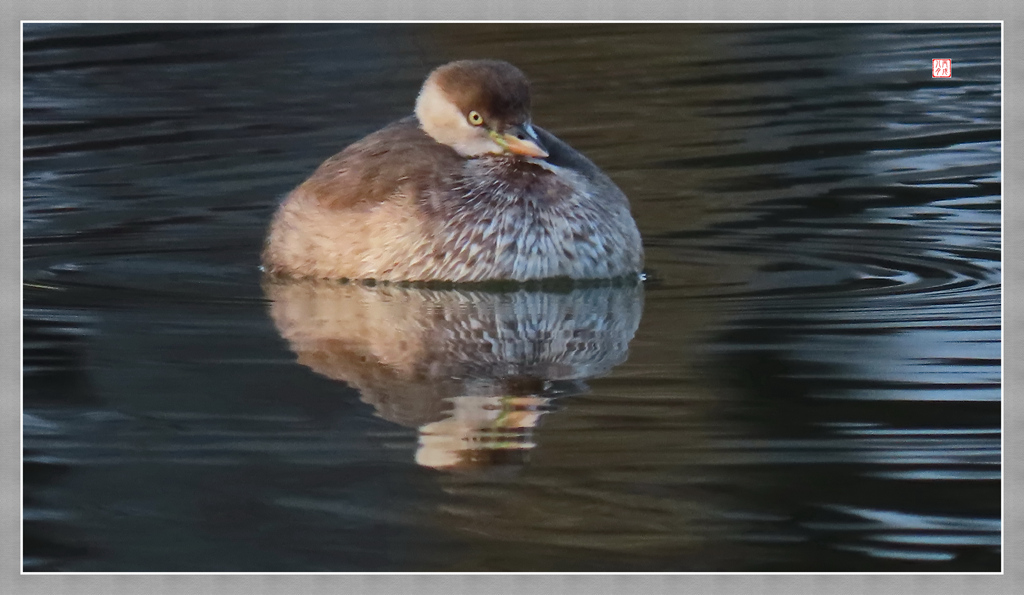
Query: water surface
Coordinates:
[810,378]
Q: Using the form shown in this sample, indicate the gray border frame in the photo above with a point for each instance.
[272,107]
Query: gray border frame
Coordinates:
[11,579]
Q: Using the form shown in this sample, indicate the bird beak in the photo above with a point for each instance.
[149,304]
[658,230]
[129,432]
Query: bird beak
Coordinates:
[521,140]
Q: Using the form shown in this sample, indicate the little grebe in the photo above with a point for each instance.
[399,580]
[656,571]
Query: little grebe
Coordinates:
[465,190]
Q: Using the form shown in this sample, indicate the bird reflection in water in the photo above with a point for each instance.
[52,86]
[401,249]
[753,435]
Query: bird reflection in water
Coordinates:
[474,371]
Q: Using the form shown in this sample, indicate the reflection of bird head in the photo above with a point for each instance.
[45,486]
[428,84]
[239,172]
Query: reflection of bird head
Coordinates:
[481,431]
[479,107]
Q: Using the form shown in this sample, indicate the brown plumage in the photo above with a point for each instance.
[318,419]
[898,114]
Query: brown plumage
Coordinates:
[465,190]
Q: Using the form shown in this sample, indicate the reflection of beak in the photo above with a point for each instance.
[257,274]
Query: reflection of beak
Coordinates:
[521,140]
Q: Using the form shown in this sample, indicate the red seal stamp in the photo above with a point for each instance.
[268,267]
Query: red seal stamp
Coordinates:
[942,68]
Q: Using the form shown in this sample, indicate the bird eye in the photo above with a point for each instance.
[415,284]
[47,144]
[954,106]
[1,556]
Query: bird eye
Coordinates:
[475,118]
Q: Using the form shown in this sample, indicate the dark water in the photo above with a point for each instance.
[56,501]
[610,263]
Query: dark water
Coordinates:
[809,379]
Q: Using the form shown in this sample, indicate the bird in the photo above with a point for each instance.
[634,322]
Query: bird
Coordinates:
[466,189]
